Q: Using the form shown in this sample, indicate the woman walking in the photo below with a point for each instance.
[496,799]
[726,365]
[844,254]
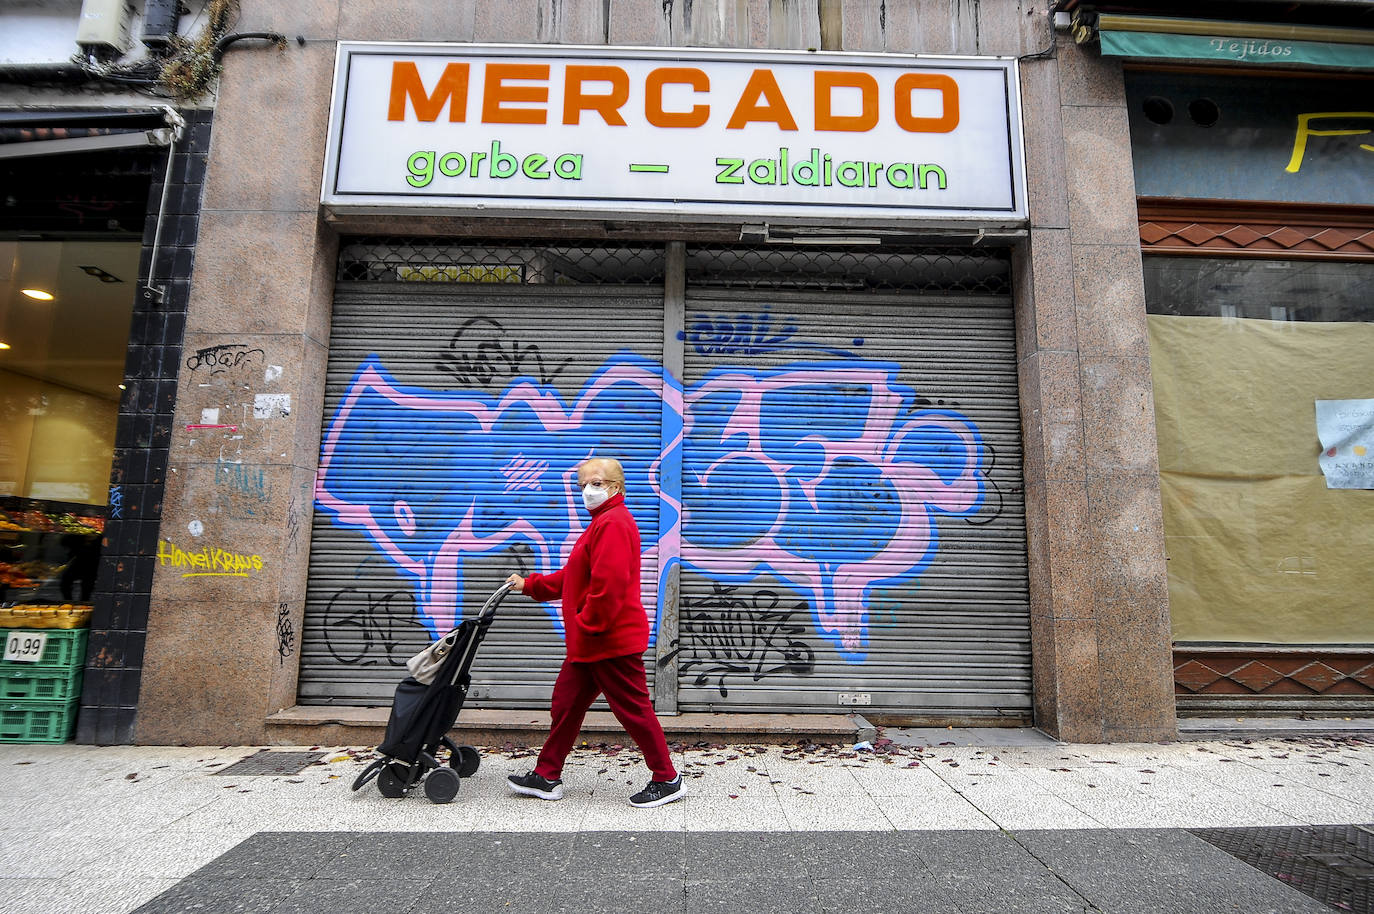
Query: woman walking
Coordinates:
[607,632]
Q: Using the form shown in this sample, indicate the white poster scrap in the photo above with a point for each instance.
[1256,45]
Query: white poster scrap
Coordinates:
[1346,431]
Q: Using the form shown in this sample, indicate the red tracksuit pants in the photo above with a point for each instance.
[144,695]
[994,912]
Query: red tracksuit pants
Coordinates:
[622,681]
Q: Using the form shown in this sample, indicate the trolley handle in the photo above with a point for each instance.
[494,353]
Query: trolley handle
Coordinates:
[493,601]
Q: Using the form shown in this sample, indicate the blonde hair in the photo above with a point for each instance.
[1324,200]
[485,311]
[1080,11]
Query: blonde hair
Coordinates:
[610,468]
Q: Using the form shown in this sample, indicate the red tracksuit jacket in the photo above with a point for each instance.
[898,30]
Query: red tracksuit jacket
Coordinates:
[603,615]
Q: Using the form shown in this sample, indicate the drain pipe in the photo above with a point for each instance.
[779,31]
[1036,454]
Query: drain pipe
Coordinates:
[223,44]
[152,292]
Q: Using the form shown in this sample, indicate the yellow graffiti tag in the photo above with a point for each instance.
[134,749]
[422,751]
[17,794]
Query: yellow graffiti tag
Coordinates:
[207,562]
[1305,130]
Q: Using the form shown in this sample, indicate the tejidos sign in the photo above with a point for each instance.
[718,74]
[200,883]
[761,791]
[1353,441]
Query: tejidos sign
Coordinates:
[686,133]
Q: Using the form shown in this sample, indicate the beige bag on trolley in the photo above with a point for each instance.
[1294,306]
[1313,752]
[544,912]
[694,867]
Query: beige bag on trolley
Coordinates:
[424,666]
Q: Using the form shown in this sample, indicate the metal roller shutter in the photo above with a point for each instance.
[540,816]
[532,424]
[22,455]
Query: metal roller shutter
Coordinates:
[455,417]
[853,518]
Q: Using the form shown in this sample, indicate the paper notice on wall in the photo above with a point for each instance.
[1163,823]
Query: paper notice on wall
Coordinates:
[271,406]
[1346,431]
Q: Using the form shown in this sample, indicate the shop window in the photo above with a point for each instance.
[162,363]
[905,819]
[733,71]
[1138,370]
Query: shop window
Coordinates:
[64,326]
[1261,547]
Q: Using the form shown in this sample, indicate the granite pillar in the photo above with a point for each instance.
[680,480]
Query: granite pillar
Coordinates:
[1099,596]
[229,589]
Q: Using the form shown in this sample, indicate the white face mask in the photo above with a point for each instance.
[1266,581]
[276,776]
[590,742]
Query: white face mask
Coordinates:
[594,496]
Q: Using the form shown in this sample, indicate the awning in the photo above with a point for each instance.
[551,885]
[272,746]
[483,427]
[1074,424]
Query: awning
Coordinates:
[26,133]
[1247,43]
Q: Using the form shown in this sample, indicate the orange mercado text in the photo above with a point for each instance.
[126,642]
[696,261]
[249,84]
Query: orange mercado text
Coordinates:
[674,97]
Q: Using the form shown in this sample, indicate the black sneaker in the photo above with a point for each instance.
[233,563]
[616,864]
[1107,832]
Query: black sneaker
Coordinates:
[658,793]
[532,785]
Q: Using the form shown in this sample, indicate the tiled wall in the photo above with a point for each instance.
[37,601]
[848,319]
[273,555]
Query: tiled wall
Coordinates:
[119,623]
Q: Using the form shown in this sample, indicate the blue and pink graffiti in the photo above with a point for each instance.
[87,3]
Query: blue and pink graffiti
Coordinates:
[774,463]
[817,452]
[432,478]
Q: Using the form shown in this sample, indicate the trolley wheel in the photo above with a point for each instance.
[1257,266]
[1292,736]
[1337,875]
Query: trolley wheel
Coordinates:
[465,760]
[442,785]
[391,781]
[368,774]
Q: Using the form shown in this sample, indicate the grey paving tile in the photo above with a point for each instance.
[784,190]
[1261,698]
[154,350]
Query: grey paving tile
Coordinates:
[628,854]
[354,896]
[943,737]
[859,853]
[281,855]
[1161,872]
[878,894]
[384,855]
[983,850]
[625,895]
[475,855]
[501,891]
[1274,898]
[756,894]
[221,896]
[727,854]
[1085,849]
[999,891]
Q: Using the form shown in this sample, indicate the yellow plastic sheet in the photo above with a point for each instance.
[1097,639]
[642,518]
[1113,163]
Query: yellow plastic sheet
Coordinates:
[1259,549]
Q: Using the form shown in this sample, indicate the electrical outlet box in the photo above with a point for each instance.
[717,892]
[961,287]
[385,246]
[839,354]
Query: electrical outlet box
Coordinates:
[856,698]
[160,21]
[105,25]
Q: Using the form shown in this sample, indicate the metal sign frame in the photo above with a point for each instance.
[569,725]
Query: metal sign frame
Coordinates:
[888,151]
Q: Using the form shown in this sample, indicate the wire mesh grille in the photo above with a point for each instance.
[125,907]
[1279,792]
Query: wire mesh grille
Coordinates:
[466,261]
[984,271]
[1332,863]
[857,268]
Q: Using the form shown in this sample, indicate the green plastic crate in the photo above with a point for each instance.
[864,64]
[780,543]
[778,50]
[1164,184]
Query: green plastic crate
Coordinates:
[37,721]
[64,650]
[41,685]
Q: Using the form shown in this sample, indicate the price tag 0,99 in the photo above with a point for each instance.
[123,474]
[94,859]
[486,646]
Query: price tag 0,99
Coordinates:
[25,646]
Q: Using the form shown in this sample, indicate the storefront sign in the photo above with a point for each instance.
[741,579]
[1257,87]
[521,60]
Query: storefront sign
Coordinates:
[1346,431]
[683,134]
[1227,49]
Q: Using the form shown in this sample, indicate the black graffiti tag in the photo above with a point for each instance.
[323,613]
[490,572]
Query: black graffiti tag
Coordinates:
[482,350]
[357,623]
[991,512]
[728,635]
[220,359]
[286,633]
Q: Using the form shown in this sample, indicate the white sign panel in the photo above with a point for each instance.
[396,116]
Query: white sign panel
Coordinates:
[24,646]
[1346,431]
[688,133]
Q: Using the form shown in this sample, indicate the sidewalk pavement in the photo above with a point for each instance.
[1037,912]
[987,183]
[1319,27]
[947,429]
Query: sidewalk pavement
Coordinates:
[981,821]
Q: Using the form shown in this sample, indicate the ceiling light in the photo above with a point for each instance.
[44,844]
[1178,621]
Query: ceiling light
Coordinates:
[4,345]
[122,387]
[38,294]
